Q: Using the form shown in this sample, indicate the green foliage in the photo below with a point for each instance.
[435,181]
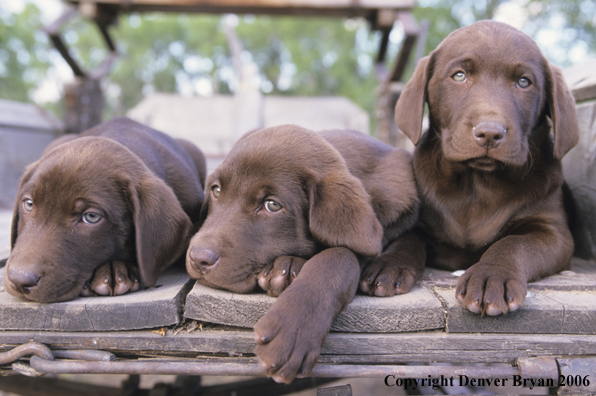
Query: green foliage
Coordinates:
[23,55]
[189,54]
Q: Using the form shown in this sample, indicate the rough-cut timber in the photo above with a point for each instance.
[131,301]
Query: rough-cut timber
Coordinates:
[414,311]
[154,307]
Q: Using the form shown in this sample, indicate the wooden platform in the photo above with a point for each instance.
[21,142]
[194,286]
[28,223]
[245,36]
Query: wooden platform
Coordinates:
[561,304]
[154,307]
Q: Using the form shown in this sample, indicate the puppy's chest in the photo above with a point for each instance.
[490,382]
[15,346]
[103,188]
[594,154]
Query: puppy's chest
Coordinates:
[471,219]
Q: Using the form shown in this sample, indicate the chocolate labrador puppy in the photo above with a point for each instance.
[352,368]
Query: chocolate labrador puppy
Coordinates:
[487,168]
[305,211]
[101,207]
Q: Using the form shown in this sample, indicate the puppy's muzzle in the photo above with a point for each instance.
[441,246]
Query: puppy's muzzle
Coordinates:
[489,134]
[22,281]
[202,259]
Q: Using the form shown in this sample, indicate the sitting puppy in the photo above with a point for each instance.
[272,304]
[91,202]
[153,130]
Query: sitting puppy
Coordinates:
[488,172]
[98,204]
[290,203]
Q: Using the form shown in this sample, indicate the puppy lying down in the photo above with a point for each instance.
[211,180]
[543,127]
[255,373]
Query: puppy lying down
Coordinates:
[295,211]
[102,211]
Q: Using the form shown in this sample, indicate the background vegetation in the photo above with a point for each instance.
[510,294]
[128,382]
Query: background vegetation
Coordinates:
[188,54]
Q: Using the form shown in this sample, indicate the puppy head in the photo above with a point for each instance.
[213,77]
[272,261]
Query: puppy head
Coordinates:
[85,203]
[281,191]
[489,90]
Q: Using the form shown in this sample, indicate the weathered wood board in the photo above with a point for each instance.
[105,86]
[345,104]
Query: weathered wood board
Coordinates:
[153,307]
[579,164]
[582,80]
[417,310]
[563,303]
[235,344]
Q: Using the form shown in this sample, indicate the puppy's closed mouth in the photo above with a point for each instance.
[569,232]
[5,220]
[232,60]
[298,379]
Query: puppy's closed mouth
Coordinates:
[485,163]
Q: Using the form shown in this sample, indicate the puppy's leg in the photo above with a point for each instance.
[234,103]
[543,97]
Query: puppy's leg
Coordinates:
[497,284]
[396,270]
[113,279]
[291,334]
[278,276]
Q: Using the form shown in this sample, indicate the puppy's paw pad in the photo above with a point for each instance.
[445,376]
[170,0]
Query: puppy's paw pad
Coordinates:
[277,277]
[482,290]
[114,278]
[126,278]
[385,279]
[102,281]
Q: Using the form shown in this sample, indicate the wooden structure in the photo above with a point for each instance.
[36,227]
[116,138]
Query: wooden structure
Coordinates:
[84,100]
[25,130]
[156,331]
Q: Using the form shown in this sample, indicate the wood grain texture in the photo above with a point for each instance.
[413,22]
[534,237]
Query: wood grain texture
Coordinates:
[153,307]
[231,345]
[414,311]
[539,315]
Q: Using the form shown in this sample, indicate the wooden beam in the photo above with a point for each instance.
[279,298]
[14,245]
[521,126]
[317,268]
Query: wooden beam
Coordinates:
[223,344]
[153,307]
[337,8]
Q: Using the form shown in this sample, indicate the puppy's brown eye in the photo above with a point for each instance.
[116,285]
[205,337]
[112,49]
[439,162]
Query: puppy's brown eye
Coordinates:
[272,206]
[523,82]
[459,76]
[91,218]
[28,205]
[216,190]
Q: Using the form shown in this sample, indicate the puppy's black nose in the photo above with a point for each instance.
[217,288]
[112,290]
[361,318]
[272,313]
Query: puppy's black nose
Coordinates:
[22,280]
[202,258]
[489,134]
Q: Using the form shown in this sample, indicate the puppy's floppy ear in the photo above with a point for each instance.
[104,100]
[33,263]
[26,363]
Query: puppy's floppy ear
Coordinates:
[162,228]
[341,215]
[409,108]
[562,112]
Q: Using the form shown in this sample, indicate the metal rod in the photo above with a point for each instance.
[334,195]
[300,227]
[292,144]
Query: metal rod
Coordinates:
[90,354]
[30,348]
[320,370]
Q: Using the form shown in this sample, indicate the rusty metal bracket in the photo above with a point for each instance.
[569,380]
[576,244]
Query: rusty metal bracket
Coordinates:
[577,375]
[31,348]
[538,367]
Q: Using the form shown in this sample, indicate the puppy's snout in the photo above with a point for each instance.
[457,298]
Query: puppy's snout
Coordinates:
[22,280]
[201,258]
[489,134]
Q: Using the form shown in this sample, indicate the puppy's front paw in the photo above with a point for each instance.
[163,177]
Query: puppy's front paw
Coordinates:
[290,336]
[113,279]
[278,276]
[489,289]
[384,277]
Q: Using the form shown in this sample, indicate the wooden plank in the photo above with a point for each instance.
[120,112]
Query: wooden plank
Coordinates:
[579,308]
[326,8]
[582,80]
[540,314]
[154,307]
[414,311]
[581,277]
[238,345]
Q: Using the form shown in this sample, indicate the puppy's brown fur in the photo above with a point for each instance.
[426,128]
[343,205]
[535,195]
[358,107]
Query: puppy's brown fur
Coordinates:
[487,169]
[287,199]
[140,189]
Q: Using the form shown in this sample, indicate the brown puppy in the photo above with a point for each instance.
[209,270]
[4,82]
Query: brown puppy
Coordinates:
[287,199]
[99,203]
[487,169]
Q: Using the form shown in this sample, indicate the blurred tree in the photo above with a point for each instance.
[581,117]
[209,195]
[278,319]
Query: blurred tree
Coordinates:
[188,54]
[23,53]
